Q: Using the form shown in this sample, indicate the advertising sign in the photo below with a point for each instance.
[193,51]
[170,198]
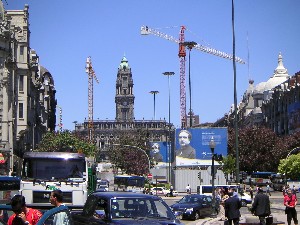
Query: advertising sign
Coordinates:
[159,152]
[192,145]
[294,116]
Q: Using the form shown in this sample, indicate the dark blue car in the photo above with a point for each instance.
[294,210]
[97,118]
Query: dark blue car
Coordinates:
[193,206]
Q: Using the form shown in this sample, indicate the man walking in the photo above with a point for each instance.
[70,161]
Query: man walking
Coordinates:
[232,209]
[290,202]
[261,206]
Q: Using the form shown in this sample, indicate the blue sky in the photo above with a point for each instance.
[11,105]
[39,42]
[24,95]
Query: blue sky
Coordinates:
[64,33]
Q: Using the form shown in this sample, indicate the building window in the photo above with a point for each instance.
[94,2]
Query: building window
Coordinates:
[21,83]
[21,111]
[21,50]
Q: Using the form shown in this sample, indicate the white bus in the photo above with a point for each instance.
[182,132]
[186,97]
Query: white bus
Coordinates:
[43,172]
[129,183]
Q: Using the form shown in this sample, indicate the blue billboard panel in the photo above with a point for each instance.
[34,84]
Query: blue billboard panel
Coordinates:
[159,152]
[294,116]
[192,144]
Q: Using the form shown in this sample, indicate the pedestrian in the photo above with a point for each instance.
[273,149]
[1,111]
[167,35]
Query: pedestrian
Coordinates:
[251,192]
[22,214]
[290,202]
[232,209]
[222,207]
[261,206]
[171,191]
[188,189]
[268,189]
[56,199]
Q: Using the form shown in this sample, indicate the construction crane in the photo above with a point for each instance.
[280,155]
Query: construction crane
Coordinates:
[91,76]
[146,30]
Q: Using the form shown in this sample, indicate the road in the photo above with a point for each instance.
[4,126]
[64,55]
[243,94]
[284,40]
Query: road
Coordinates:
[277,207]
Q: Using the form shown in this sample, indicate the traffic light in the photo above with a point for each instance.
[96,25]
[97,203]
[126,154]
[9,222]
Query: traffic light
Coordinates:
[199,175]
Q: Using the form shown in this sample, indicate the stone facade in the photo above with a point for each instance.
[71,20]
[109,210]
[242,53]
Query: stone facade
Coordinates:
[108,131]
[274,103]
[27,93]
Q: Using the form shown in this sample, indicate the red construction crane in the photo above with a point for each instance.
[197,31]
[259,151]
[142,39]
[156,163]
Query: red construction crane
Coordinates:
[91,76]
[145,30]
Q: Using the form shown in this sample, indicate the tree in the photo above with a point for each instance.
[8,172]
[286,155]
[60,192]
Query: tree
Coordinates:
[65,141]
[129,152]
[228,164]
[260,149]
[290,167]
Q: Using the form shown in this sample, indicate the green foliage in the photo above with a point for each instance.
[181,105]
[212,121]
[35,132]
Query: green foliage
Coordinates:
[228,164]
[65,142]
[290,167]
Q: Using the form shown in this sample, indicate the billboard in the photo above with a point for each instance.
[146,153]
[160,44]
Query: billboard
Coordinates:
[294,116]
[192,145]
[159,152]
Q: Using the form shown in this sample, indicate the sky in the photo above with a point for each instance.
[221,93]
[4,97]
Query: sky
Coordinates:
[64,33]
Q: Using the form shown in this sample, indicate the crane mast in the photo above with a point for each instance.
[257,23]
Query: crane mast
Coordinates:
[182,54]
[91,76]
[145,30]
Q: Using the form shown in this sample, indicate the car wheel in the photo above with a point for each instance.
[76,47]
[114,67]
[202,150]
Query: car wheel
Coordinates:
[197,216]
[244,203]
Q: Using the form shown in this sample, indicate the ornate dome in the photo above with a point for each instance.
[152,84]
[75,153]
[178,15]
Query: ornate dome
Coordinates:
[280,75]
[124,63]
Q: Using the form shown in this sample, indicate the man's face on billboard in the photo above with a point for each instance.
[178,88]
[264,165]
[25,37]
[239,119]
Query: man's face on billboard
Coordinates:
[155,148]
[184,138]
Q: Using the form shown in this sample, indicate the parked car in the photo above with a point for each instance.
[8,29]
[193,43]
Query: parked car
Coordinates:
[102,188]
[162,191]
[193,206]
[245,199]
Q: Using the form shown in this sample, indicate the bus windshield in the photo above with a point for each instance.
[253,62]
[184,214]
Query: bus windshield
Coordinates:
[53,168]
[129,183]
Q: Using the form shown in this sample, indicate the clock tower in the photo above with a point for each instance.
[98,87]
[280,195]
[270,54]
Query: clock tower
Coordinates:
[124,93]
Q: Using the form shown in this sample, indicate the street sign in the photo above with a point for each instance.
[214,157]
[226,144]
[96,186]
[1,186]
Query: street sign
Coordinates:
[149,176]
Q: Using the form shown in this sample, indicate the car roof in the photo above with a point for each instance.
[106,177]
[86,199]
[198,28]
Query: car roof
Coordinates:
[110,194]
[197,195]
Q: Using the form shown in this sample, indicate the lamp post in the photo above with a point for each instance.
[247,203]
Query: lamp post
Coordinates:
[154,93]
[190,45]
[169,138]
[212,145]
[294,149]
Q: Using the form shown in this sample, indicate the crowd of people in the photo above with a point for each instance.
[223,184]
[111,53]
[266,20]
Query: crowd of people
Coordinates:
[230,204]
[24,215]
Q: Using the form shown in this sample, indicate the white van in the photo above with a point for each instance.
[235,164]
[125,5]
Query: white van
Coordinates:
[244,197]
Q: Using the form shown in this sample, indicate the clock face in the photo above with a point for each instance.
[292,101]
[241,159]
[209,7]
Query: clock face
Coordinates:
[124,103]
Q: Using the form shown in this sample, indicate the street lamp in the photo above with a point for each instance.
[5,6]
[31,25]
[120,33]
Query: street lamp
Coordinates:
[154,93]
[190,45]
[169,139]
[212,145]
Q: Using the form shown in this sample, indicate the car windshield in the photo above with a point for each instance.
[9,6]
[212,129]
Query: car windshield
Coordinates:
[190,199]
[140,207]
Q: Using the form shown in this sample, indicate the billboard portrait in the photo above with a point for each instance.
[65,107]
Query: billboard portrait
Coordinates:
[192,145]
[158,153]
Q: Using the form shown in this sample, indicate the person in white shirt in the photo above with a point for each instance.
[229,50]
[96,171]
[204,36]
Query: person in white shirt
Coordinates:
[56,199]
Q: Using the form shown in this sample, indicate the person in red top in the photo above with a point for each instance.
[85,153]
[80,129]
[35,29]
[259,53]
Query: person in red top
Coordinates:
[22,214]
[290,201]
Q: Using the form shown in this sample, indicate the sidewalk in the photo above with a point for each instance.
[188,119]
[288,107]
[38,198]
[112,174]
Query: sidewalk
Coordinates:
[278,216]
